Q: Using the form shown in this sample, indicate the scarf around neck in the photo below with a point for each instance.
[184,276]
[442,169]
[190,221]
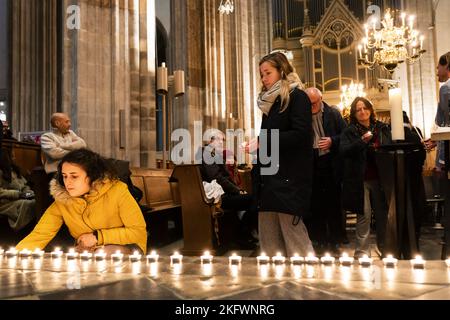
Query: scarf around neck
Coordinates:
[267,98]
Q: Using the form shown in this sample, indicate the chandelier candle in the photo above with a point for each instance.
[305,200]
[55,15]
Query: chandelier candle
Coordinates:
[395,102]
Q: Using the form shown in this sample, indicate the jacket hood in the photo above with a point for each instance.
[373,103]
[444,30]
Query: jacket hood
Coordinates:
[98,188]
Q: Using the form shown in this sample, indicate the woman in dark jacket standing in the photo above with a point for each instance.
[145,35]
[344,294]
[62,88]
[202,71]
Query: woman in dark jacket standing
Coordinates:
[283,195]
[362,191]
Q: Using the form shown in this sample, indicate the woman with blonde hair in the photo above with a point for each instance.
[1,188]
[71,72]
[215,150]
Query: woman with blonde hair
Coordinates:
[283,196]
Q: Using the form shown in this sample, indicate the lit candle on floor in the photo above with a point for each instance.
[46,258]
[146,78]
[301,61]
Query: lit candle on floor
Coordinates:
[117,256]
[390,261]
[206,258]
[152,257]
[135,257]
[235,259]
[37,253]
[345,260]
[296,259]
[365,261]
[11,253]
[263,259]
[85,256]
[25,253]
[447,262]
[57,253]
[278,259]
[327,259]
[72,254]
[311,259]
[418,262]
[100,255]
[176,258]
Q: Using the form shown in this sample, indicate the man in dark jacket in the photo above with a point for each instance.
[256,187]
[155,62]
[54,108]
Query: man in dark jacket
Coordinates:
[326,227]
[235,199]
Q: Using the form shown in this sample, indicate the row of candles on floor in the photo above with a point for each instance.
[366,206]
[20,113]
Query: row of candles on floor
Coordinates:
[207,258]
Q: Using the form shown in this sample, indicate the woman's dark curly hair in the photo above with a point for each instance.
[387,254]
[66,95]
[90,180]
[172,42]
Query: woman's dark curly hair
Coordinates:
[96,167]
[7,166]
[368,104]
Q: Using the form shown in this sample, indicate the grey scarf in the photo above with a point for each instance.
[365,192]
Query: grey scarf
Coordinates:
[267,98]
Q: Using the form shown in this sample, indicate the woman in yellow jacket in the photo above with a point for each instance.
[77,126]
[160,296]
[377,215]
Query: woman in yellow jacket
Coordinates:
[97,208]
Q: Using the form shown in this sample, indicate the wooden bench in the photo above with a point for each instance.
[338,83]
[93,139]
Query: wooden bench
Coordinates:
[160,203]
[198,212]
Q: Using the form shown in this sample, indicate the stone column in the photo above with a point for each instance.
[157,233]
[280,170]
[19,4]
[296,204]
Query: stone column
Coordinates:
[307,42]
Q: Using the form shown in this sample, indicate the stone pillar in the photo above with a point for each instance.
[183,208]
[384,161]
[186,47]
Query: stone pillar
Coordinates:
[34,64]
[307,42]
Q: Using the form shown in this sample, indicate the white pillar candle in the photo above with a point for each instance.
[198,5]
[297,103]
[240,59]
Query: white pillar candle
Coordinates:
[365,261]
[57,253]
[72,254]
[152,257]
[176,258]
[390,261]
[262,259]
[117,256]
[206,257]
[418,263]
[11,253]
[278,258]
[345,260]
[311,259]
[235,259]
[100,255]
[395,102]
[296,259]
[135,257]
[37,253]
[25,253]
[85,256]
[327,259]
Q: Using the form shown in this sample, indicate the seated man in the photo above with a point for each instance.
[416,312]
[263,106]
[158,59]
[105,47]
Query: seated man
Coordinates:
[235,199]
[56,144]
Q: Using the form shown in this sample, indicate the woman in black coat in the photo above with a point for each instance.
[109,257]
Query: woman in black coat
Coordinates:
[362,191]
[284,185]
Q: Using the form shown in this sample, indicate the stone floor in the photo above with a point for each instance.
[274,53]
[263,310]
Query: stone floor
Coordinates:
[74,280]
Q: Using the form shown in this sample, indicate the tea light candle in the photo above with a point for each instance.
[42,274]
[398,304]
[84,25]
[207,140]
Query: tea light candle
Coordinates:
[278,259]
[206,257]
[418,262]
[152,257]
[327,259]
[296,259]
[365,261]
[176,258]
[37,253]
[57,253]
[118,256]
[100,255]
[235,259]
[11,253]
[390,261]
[135,257]
[447,262]
[311,259]
[85,256]
[72,254]
[25,253]
[345,260]
[263,259]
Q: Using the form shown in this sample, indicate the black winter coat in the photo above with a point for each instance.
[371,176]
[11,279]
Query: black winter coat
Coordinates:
[289,190]
[354,150]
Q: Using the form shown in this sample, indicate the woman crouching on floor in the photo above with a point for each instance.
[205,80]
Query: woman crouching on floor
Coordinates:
[97,208]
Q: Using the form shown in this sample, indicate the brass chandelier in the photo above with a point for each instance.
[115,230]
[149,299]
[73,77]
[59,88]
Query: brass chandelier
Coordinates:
[226,7]
[391,45]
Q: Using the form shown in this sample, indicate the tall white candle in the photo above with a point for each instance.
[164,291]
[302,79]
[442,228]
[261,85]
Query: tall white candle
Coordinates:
[395,102]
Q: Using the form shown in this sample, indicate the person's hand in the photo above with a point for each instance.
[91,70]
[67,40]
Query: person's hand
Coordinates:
[325,143]
[87,240]
[367,136]
[429,144]
[251,146]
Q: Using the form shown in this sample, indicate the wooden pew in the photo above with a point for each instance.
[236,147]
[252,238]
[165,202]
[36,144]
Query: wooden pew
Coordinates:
[160,202]
[198,215]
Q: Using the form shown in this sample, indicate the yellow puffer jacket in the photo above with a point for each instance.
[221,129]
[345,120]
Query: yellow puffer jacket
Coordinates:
[108,208]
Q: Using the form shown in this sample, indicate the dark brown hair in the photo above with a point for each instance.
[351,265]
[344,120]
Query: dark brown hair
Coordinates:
[444,60]
[368,104]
